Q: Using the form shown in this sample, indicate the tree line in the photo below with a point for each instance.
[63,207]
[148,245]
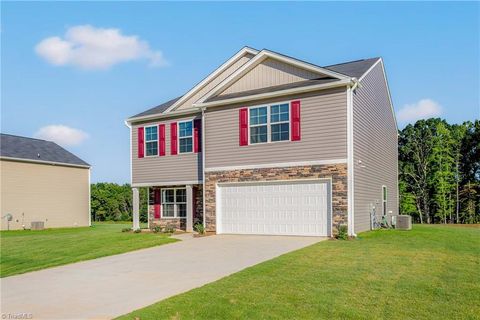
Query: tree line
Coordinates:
[113,202]
[439,171]
[439,177]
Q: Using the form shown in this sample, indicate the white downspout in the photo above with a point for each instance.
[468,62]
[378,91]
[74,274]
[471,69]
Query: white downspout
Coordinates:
[350,157]
[203,168]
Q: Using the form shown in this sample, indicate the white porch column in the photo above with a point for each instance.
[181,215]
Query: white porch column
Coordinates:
[136,209]
[189,209]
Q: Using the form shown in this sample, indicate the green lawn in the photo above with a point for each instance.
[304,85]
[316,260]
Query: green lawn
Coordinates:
[24,250]
[431,272]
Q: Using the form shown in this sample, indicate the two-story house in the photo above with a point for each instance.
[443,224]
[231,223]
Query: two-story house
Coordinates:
[269,144]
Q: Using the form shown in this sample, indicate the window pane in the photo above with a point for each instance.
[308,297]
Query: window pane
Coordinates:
[151,148]
[275,109]
[279,113]
[186,145]
[384,193]
[181,195]
[151,133]
[280,132]
[258,134]
[168,210]
[258,115]
[181,210]
[168,196]
[185,129]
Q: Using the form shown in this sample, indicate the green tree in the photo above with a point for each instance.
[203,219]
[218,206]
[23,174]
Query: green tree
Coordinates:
[458,135]
[443,177]
[439,171]
[113,202]
[469,198]
[415,156]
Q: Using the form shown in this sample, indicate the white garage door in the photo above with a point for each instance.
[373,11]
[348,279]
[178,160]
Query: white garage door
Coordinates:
[274,208]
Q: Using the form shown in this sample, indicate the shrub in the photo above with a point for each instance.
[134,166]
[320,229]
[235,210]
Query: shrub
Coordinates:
[157,229]
[200,228]
[126,229]
[137,230]
[169,229]
[342,232]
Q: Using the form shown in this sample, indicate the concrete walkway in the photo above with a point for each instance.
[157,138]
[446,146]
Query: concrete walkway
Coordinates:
[108,287]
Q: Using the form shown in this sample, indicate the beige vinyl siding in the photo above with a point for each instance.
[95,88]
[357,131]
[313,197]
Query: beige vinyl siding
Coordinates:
[156,170]
[323,127]
[210,85]
[57,195]
[375,144]
[269,73]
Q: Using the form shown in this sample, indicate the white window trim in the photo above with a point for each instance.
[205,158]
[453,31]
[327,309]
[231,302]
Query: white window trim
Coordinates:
[269,124]
[384,201]
[145,142]
[175,215]
[178,136]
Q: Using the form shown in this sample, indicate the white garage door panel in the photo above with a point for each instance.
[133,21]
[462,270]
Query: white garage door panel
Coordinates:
[293,208]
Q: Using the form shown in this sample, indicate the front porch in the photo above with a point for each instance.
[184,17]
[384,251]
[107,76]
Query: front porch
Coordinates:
[177,207]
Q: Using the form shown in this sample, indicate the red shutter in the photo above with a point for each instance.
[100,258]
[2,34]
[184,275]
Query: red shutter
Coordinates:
[197,135]
[141,141]
[157,203]
[161,139]
[243,126]
[173,138]
[295,125]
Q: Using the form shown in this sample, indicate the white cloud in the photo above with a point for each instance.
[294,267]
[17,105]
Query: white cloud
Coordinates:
[62,135]
[88,47]
[422,109]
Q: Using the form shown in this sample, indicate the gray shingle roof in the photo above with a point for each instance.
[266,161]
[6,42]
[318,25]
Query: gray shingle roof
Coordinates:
[36,150]
[352,69]
[298,84]
[157,109]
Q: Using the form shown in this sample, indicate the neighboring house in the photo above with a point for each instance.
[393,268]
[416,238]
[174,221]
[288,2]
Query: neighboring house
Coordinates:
[269,144]
[41,181]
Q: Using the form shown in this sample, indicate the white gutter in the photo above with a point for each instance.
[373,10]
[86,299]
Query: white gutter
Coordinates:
[160,116]
[273,94]
[53,163]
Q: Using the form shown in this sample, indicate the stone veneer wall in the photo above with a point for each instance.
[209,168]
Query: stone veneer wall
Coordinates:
[177,223]
[338,173]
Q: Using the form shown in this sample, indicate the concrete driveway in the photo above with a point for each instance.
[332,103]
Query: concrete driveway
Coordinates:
[108,287]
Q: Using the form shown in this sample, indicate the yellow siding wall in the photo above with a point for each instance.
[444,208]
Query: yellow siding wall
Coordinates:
[57,195]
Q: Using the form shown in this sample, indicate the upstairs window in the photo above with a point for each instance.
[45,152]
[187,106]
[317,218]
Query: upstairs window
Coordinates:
[151,141]
[258,125]
[185,136]
[269,123]
[280,122]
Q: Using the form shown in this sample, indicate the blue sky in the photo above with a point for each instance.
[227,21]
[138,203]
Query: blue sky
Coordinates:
[431,54]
